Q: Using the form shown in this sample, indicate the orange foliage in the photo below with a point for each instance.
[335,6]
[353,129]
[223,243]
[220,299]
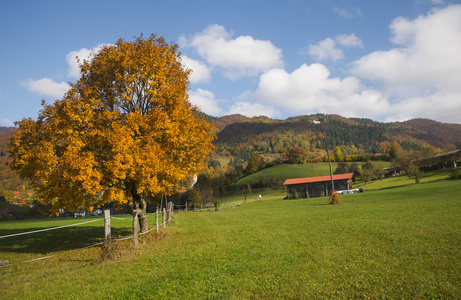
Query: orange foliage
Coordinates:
[124,132]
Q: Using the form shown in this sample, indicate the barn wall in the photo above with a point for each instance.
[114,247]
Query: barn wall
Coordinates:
[316,189]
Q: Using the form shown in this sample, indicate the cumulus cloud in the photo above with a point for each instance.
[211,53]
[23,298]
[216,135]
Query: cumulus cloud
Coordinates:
[239,57]
[205,101]
[349,40]
[253,109]
[200,71]
[310,89]
[83,54]
[427,57]
[417,78]
[327,48]
[47,87]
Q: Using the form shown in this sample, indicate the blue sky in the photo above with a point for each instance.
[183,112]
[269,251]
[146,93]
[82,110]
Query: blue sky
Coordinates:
[385,60]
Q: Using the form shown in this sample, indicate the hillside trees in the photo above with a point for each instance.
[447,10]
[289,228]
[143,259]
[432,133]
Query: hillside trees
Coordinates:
[124,133]
[370,171]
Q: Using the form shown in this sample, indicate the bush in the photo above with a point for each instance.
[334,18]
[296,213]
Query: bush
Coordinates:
[334,198]
[454,174]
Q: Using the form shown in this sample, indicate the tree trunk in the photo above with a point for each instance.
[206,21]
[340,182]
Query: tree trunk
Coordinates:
[142,215]
[140,206]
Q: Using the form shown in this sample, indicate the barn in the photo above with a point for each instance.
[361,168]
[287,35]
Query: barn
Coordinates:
[317,186]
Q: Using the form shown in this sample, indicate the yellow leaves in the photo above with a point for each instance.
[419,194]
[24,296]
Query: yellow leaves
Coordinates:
[125,123]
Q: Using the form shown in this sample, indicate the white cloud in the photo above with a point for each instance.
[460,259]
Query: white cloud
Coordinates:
[6,122]
[253,109]
[326,49]
[348,13]
[82,54]
[200,72]
[417,78]
[206,101]
[427,59]
[310,89]
[349,40]
[239,57]
[47,87]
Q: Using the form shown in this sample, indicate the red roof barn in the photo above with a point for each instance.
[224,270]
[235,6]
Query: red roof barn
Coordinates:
[317,186]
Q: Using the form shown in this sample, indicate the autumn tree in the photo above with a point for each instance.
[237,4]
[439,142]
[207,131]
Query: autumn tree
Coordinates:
[338,154]
[370,171]
[294,155]
[124,132]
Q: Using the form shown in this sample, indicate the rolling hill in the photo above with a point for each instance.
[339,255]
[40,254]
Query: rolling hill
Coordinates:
[363,135]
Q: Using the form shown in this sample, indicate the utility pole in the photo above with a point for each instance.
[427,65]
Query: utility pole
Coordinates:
[329,162]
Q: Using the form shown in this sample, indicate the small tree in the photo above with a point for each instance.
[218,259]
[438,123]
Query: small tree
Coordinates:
[334,198]
[369,172]
[338,154]
[342,168]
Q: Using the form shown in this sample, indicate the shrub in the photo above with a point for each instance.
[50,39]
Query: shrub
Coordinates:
[454,174]
[334,198]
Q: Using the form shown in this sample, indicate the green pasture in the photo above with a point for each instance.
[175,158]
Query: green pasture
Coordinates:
[286,171]
[399,181]
[398,241]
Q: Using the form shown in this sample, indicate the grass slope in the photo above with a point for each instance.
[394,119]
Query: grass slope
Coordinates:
[285,171]
[399,242]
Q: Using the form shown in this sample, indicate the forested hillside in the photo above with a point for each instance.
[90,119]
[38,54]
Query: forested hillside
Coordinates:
[9,180]
[353,136]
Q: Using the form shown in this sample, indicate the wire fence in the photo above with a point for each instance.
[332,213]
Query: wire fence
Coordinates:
[166,215]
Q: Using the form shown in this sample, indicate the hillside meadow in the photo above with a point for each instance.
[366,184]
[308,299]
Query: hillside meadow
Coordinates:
[286,171]
[392,242]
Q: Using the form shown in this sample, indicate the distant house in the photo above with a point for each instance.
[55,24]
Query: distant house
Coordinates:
[317,186]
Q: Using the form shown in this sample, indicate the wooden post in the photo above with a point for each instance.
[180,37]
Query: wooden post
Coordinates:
[164,215]
[107,226]
[135,228]
[168,211]
[156,219]
[186,206]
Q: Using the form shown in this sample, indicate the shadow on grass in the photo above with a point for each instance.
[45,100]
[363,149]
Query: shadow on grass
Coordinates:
[62,239]
[410,184]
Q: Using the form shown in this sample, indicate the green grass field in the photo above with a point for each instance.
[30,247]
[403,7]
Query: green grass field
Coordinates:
[396,241]
[286,171]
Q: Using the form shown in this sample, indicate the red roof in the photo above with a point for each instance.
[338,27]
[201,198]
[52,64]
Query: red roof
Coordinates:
[318,179]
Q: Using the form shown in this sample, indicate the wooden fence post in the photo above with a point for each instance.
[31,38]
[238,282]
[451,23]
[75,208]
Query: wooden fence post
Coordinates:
[107,226]
[186,206]
[167,211]
[170,210]
[164,215]
[156,219]
[135,228]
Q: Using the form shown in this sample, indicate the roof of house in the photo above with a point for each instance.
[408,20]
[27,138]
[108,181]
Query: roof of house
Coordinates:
[318,179]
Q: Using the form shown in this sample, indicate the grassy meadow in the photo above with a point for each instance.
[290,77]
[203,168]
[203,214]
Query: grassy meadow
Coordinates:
[400,240]
[286,171]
